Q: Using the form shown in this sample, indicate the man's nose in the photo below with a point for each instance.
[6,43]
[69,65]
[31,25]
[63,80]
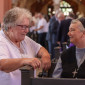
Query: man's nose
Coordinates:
[68,33]
[26,30]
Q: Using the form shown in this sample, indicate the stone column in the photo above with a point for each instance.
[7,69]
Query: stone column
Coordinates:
[5,5]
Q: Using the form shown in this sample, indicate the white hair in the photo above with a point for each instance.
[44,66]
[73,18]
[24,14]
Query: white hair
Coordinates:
[15,16]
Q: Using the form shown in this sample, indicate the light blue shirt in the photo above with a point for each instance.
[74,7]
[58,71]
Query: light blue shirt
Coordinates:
[80,52]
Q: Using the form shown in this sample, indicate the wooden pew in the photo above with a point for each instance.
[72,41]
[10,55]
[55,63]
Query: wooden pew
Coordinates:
[26,73]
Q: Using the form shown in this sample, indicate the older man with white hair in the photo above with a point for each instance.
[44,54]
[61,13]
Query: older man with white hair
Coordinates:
[18,50]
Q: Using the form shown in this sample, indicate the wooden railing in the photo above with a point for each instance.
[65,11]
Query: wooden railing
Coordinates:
[28,79]
[26,73]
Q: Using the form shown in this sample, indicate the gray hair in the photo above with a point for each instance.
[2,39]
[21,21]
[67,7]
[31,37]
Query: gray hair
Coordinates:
[80,26]
[60,15]
[15,16]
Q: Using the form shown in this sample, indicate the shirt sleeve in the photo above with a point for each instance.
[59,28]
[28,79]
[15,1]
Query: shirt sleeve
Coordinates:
[34,46]
[58,69]
[42,22]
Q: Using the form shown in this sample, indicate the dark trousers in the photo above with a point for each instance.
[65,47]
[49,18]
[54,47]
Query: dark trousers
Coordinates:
[42,39]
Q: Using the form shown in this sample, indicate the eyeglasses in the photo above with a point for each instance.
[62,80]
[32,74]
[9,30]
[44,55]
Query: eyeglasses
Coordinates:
[24,26]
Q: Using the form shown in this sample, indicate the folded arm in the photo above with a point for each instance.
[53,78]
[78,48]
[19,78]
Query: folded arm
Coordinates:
[45,58]
[9,65]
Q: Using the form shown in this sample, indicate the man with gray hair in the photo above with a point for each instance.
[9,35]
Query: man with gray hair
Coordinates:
[71,64]
[41,29]
[52,33]
[18,50]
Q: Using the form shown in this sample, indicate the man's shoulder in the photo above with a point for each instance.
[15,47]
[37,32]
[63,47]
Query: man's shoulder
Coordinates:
[2,37]
[52,19]
[69,54]
[28,40]
[69,51]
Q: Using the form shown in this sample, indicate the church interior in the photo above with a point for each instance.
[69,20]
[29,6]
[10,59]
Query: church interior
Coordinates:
[43,5]
[49,8]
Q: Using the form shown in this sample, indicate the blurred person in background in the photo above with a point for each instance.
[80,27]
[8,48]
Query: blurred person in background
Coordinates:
[54,24]
[41,29]
[64,29]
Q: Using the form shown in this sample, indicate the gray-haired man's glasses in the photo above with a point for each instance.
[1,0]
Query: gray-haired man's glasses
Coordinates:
[24,26]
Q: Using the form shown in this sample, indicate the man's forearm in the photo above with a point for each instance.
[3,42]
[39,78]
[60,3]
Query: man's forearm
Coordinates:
[45,58]
[43,53]
[9,65]
[39,28]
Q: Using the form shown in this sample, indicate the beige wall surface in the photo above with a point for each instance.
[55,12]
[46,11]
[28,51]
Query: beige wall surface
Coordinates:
[5,5]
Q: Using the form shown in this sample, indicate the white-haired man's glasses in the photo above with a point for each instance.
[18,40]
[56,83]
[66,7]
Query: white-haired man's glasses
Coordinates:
[24,26]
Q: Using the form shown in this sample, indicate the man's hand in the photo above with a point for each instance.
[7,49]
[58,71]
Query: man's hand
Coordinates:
[41,27]
[34,62]
[45,58]
[46,63]
[35,29]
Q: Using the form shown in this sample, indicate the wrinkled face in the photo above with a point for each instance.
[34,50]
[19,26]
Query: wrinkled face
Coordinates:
[74,33]
[18,32]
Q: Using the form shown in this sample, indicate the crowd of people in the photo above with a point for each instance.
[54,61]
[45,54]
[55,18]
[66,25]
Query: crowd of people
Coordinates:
[51,32]
[18,50]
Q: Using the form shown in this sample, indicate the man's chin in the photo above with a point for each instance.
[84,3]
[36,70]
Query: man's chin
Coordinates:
[22,38]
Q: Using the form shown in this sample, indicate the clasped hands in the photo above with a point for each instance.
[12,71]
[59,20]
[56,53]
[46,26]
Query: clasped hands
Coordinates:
[44,63]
